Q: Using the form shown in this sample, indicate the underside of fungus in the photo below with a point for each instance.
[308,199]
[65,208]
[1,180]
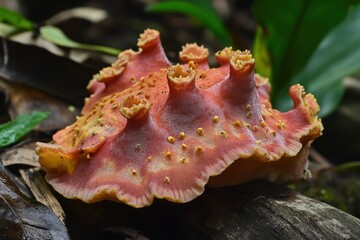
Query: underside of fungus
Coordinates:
[152,130]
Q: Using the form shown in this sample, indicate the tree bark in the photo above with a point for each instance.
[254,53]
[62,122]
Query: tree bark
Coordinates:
[261,210]
[256,210]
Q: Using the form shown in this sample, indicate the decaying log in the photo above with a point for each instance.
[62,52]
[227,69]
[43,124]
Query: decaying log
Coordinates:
[261,210]
[256,210]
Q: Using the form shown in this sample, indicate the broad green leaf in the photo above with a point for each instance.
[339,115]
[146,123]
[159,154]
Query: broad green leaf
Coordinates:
[206,16]
[12,131]
[55,35]
[292,29]
[15,19]
[337,56]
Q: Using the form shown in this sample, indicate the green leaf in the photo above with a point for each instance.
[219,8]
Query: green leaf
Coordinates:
[348,167]
[261,54]
[55,35]
[12,131]
[7,30]
[206,16]
[15,19]
[337,56]
[292,29]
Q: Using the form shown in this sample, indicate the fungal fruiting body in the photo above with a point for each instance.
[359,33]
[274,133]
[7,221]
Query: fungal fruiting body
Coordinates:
[129,68]
[179,128]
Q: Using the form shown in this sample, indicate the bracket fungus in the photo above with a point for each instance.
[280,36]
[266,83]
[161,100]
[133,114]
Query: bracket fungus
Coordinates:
[178,128]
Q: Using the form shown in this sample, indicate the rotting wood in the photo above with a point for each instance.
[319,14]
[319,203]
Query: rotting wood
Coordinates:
[260,210]
[21,155]
[255,210]
[41,191]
